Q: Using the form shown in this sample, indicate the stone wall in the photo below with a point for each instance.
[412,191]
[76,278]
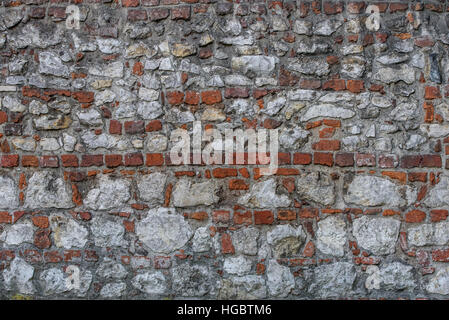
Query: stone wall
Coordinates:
[92,207]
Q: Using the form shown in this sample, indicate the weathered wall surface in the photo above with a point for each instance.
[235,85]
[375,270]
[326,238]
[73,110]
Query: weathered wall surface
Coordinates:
[358,207]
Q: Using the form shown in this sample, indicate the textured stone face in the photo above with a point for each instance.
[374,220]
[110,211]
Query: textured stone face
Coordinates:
[163,230]
[8,193]
[333,280]
[187,194]
[47,190]
[263,195]
[316,187]
[331,236]
[94,206]
[110,193]
[374,191]
[379,235]
[18,277]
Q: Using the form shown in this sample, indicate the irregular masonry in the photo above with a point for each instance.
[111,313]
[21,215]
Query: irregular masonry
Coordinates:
[92,207]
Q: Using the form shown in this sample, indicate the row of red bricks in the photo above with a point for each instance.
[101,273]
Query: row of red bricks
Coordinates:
[159,159]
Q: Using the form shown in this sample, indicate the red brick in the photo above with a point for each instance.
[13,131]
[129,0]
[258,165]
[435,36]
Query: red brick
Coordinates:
[226,244]
[243,217]
[238,184]
[432,93]
[113,160]
[440,255]
[5,217]
[69,160]
[211,97]
[10,160]
[335,84]
[398,6]
[134,127]
[182,13]
[365,160]
[302,158]
[415,216]
[138,68]
[115,127]
[40,222]
[52,256]
[30,161]
[153,125]
[355,86]
[3,117]
[221,216]
[137,15]
[323,158]
[83,96]
[91,160]
[263,217]
[42,239]
[344,159]
[286,215]
[417,176]
[236,93]
[154,159]
[326,145]
[308,213]
[130,3]
[49,162]
[388,161]
[438,215]
[158,14]
[431,161]
[192,98]
[310,84]
[331,7]
[175,97]
[224,172]
[133,159]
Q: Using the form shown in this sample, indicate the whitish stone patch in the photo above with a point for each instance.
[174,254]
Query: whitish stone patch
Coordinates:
[110,193]
[163,230]
[263,195]
[47,190]
[188,194]
[331,236]
[378,235]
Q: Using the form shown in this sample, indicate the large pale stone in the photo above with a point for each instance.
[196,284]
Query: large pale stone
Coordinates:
[317,187]
[109,269]
[263,195]
[326,111]
[18,233]
[439,283]
[18,277]
[333,280]
[107,233]
[257,64]
[280,280]
[378,235]
[188,194]
[438,196]
[68,233]
[151,187]
[245,240]
[151,283]
[331,236]
[397,276]
[8,193]
[428,234]
[110,193]
[163,230]
[310,66]
[239,265]
[47,190]
[390,75]
[286,240]
[370,191]
[51,64]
